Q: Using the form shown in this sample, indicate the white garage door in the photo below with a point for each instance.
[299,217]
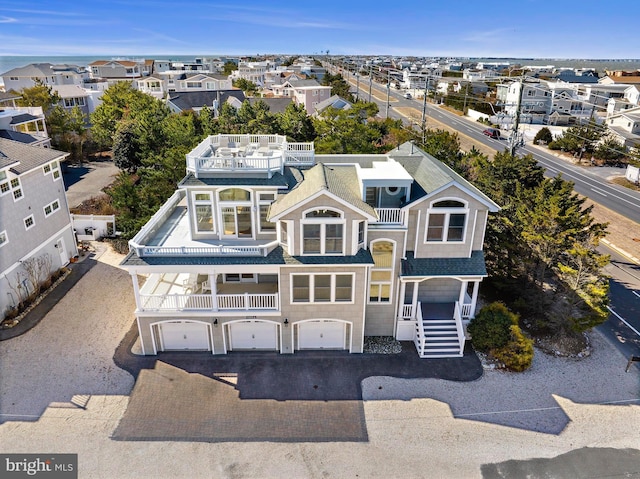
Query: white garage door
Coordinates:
[181,335]
[253,335]
[321,335]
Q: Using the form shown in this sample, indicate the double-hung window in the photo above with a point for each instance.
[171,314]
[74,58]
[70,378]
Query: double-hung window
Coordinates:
[323,232]
[446,221]
[4,239]
[51,208]
[264,200]
[322,288]
[204,212]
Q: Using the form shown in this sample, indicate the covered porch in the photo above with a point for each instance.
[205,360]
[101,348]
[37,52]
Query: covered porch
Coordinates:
[438,297]
[213,292]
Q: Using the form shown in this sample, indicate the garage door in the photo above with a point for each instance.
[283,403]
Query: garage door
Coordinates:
[321,335]
[181,335]
[253,335]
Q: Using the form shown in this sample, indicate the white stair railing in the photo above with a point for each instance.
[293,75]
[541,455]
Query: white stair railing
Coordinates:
[457,316]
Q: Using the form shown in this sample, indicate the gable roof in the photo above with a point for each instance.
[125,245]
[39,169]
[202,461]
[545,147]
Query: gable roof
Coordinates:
[305,83]
[190,100]
[41,70]
[70,91]
[339,181]
[336,102]
[276,105]
[23,158]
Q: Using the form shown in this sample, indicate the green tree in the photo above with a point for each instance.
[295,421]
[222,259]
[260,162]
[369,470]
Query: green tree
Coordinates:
[126,148]
[206,123]
[338,84]
[296,124]
[345,131]
[610,150]
[543,136]
[229,67]
[39,95]
[580,140]
[248,87]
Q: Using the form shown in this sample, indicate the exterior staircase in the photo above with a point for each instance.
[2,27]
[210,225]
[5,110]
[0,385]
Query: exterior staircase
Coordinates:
[438,336]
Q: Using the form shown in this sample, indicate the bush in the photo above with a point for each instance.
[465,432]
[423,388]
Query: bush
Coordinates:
[517,354]
[544,136]
[491,328]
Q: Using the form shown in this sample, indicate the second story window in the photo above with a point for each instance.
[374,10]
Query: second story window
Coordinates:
[3,238]
[29,222]
[51,208]
[17,189]
[446,221]
[264,200]
[323,232]
[204,212]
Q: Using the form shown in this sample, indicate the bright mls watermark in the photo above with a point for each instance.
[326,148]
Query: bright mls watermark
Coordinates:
[50,466]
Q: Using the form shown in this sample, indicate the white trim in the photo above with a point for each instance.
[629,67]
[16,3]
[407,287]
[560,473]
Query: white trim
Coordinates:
[485,200]
[373,269]
[323,222]
[6,238]
[210,202]
[156,323]
[227,324]
[33,222]
[447,212]
[53,210]
[296,324]
[329,195]
[415,246]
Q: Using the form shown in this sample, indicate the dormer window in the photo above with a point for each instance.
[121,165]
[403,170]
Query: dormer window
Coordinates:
[323,232]
[446,221]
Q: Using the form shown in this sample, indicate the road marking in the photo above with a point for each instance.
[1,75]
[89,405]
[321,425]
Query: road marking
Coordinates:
[636,293]
[551,170]
[623,320]
[598,190]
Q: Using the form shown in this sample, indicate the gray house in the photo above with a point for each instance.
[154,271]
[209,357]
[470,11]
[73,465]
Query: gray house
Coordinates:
[34,216]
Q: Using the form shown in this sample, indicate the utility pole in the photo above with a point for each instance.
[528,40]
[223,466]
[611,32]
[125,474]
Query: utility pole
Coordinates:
[466,92]
[424,111]
[357,82]
[386,115]
[370,80]
[516,122]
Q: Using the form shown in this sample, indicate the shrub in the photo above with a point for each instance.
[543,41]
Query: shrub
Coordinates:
[544,135]
[491,328]
[517,354]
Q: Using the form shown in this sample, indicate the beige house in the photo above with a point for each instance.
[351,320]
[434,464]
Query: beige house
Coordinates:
[308,93]
[267,246]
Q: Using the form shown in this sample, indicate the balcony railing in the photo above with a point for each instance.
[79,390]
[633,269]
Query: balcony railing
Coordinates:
[391,216]
[209,302]
[213,250]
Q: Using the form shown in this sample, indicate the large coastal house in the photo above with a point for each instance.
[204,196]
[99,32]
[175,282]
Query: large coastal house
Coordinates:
[34,217]
[267,246]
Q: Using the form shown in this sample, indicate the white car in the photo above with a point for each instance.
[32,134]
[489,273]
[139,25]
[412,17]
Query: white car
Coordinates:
[407,96]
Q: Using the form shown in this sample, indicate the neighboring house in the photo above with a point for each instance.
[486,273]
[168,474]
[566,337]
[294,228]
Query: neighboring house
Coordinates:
[535,102]
[629,100]
[620,77]
[267,246]
[35,220]
[308,93]
[475,87]
[196,100]
[334,101]
[276,105]
[46,73]
[153,85]
[202,82]
[626,127]
[114,71]
[577,76]
[476,75]
[251,71]
[25,125]
[74,95]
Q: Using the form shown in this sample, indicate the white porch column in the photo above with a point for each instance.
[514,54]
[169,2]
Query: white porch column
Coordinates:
[403,288]
[474,298]
[214,291]
[463,291]
[414,301]
[136,288]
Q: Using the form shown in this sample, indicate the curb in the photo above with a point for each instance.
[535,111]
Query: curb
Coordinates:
[621,251]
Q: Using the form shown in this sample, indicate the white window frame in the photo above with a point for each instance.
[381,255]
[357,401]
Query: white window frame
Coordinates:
[332,286]
[53,209]
[33,222]
[4,239]
[391,270]
[323,222]
[209,203]
[251,278]
[16,189]
[447,212]
[265,202]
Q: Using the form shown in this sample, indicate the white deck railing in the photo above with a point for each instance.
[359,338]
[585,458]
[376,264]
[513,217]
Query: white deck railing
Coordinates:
[214,250]
[407,311]
[457,316]
[391,216]
[465,310]
[225,302]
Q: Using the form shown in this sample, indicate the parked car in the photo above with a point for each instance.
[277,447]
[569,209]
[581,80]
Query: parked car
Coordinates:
[407,96]
[492,133]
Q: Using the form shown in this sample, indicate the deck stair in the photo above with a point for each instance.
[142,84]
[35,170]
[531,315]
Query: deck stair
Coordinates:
[439,331]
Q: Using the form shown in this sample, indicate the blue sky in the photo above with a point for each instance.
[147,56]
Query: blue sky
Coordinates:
[512,28]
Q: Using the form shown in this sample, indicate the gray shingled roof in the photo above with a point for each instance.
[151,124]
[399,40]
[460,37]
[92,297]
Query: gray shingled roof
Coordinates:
[197,99]
[23,118]
[18,136]
[277,257]
[276,180]
[303,83]
[39,70]
[29,157]
[276,105]
[342,181]
[473,266]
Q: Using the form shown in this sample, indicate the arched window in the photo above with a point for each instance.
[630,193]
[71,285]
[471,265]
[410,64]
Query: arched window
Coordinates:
[381,281]
[446,221]
[234,194]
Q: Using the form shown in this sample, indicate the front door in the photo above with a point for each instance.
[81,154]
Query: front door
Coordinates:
[64,259]
[236,222]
